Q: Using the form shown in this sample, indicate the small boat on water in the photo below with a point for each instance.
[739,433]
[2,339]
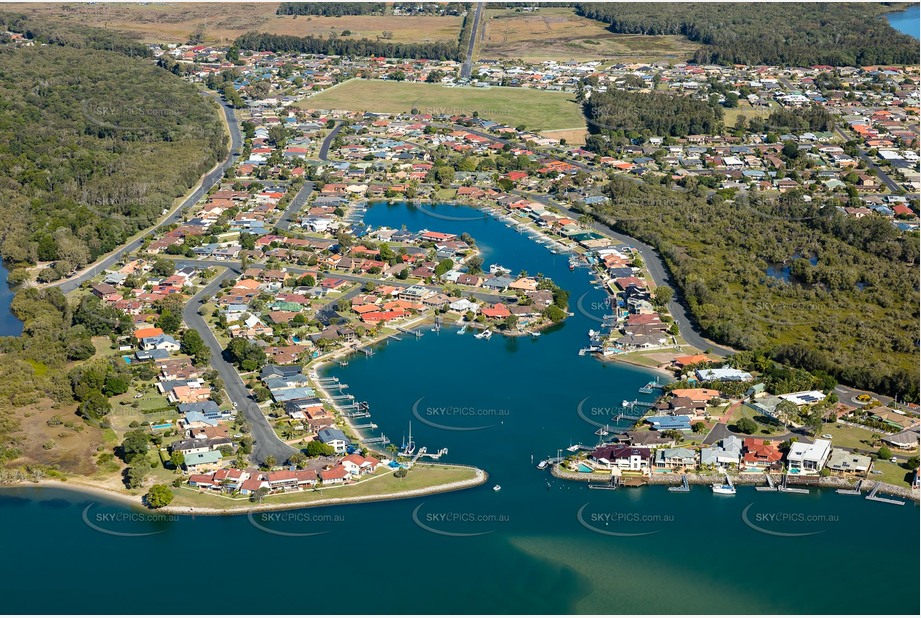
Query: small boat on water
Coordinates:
[496,487]
[486,334]
[463,330]
[724,489]
[534,333]
[543,464]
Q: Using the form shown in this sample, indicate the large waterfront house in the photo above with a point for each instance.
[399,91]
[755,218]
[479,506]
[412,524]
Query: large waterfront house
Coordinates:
[761,454]
[676,458]
[727,453]
[622,457]
[808,458]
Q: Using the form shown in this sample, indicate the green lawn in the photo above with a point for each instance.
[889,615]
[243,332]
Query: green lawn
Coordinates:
[535,109]
[383,482]
[891,473]
[849,437]
[764,429]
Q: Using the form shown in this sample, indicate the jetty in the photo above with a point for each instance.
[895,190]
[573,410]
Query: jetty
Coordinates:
[684,487]
[416,333]
[770,484]
[613,484]
[791,490]
[381,439]
[636,403]
[367,351]
[651,387]
[873,495]
[851,492]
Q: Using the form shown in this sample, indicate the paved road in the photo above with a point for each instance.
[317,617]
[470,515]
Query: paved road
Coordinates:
[294,208]
[208,181]
[324,147]
[871,165]
[265,442]
[657,271]
[485,296]
[467,67]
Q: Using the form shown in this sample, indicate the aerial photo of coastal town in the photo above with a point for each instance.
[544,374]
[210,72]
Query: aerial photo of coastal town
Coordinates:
[559,308]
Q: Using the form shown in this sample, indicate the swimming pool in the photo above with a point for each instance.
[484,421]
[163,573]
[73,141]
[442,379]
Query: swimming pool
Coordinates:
[127,359]
[584,468]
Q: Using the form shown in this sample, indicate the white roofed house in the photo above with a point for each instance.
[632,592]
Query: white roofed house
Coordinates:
[806,458]
[727,374]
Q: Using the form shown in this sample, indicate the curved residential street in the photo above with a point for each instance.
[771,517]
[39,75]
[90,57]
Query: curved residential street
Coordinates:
[657,271]
[265,441]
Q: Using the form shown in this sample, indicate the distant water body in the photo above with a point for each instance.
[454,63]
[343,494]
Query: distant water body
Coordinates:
[9,325]
[907,21]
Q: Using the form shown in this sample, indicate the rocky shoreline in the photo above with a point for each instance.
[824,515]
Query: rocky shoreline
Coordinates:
[828,482]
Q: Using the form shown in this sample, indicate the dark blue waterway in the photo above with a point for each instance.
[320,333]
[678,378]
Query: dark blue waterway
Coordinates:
[533,554]
[907,21]
[9,325]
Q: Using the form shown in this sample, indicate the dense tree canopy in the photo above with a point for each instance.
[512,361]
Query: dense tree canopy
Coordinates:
[93,146]
[850,308]
[334,9]
[775,33]
[656,114]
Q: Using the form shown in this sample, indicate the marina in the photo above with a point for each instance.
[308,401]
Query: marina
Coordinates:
[543,547]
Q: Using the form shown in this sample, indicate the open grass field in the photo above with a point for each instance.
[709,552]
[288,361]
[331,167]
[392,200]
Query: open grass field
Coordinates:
[552,33]
[175,23]
[731,116]
[538,110]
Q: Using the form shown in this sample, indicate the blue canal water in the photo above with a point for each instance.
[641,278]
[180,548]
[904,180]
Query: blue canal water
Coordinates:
[539,545]
[907,21]
[10,326]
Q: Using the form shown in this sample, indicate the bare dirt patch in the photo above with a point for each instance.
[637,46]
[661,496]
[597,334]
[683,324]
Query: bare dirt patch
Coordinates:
[57,437]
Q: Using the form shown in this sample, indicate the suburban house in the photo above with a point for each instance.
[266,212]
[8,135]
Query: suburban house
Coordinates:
[727,453]
[905,440]
[622,457]
[198,462]
[335,438]
[759,455]
[808,458]
[848,462]
[675,458]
